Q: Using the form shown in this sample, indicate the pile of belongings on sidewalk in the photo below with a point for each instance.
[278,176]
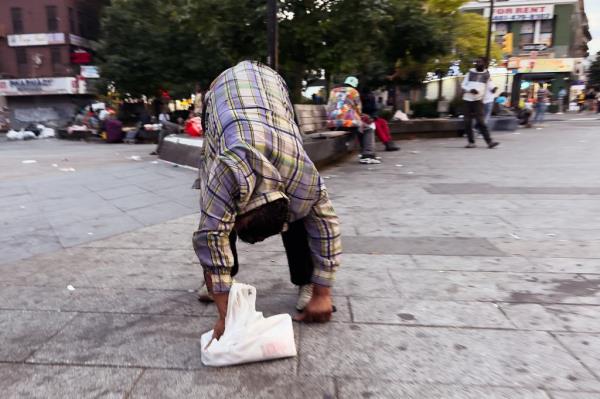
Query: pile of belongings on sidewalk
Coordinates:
[31,132]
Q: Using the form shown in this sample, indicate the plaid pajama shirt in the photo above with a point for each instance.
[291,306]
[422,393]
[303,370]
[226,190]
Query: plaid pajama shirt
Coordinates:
[253,155]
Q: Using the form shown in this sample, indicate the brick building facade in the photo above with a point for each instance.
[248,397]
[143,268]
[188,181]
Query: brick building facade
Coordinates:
[43,46]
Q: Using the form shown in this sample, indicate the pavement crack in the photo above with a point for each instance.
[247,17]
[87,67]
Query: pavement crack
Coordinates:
[50,338]
[135,382]
[570,352]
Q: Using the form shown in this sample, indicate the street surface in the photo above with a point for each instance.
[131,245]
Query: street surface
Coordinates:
[467,274]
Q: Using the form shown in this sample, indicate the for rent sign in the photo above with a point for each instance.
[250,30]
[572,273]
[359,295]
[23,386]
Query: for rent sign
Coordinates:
[523,13]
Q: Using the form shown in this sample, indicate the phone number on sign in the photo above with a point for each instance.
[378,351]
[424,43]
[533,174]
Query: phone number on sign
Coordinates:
[499,18]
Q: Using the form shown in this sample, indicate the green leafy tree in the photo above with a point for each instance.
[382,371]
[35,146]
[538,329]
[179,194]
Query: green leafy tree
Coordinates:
[594,72]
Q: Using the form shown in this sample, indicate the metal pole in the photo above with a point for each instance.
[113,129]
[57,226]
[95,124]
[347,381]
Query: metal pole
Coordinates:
[488,49]
[272,34]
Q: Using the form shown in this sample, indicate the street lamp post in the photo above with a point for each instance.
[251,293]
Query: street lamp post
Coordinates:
[488,49]
[272,35]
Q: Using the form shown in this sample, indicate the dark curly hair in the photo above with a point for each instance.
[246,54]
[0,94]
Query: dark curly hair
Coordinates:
[262,222]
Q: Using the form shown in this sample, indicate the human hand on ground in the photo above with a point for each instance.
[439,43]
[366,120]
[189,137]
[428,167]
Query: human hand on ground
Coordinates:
[319,308]
[218,331]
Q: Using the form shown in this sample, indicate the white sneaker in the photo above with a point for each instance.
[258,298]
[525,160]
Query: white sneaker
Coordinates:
[369,161]
[304,296]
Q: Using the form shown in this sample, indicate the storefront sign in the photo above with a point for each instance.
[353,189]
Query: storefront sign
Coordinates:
[90,72]
[534,47]
[78,41]
[541,65]
[81,57]
[41,86]
[36,39]
[523,13]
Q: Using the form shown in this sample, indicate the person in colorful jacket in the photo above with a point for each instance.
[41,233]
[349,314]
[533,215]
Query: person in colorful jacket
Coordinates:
[344,111]
[256,180]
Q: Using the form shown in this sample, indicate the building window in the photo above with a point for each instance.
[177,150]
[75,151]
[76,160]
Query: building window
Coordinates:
[21,56]
[501,29]
[55,55]
[56,59]
[547,32]
[16,15]
[72,24]
[527,33]
[81,24]
[52,18]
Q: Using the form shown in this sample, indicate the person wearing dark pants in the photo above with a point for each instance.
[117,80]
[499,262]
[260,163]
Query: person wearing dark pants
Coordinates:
[475,111]
[475,85]
[256,180]
[300,262]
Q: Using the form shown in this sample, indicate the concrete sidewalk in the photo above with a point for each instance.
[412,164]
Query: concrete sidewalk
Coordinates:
[467,274]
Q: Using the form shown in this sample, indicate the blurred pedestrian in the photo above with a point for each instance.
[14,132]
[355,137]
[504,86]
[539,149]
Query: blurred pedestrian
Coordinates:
[541,104]
[114,129]
[475,86]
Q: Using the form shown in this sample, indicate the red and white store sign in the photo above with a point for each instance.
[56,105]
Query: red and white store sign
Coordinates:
[523,13]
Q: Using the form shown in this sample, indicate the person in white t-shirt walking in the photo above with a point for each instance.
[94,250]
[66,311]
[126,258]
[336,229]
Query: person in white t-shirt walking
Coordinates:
[476,85]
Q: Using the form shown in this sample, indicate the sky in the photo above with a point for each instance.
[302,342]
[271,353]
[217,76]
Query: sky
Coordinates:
[592,8]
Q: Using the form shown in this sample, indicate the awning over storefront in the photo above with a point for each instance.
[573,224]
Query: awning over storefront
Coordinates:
[545,65]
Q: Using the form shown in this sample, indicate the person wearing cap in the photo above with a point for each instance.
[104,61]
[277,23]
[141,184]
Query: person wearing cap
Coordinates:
[344,111]
[256,180]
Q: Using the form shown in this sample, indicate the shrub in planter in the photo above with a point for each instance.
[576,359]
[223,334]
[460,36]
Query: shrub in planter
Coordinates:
[424,109]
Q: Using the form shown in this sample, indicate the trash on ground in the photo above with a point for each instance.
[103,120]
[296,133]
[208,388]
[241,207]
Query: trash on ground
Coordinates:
[31,132]
[398,165]
[248,336]
[516,237]
[14,135]
[27,161]
[551,235]
[70,287]
[154,162]
[67,169]
[90,234]
[135,158]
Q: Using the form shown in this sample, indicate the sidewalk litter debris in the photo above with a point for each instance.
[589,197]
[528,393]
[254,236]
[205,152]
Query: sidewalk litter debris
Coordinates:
[70,287]
[33,132]
[516,237]
[135,158]
[398,165]
[67,169]
[248,337]
[14,135]
[29,161]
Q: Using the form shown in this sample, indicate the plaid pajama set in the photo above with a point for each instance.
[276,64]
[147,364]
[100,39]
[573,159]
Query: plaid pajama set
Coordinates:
[253,155]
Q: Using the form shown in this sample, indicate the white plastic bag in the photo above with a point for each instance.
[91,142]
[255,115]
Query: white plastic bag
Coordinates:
[248,336]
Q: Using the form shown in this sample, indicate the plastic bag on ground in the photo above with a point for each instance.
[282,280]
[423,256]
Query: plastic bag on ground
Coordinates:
[20,135]
[248,336]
